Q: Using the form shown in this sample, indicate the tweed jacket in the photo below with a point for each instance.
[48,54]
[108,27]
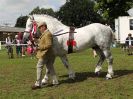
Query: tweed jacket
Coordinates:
[44,45]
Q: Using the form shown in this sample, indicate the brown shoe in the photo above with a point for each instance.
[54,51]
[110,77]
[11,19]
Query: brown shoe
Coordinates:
[34,87]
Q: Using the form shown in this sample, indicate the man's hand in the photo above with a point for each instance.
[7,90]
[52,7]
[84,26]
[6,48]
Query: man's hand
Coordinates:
[37,48]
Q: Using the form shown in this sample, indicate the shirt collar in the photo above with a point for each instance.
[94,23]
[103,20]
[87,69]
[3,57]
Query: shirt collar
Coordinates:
[46,30]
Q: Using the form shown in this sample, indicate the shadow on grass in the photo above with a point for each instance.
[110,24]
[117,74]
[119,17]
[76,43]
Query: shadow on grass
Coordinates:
[81,76]
[119,73]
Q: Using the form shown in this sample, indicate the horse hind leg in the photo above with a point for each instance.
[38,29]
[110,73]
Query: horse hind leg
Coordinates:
[100,61]
[109,59]
[64,60]
[45,80]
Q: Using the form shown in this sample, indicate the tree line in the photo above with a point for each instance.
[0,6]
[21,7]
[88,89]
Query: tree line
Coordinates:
[83,12]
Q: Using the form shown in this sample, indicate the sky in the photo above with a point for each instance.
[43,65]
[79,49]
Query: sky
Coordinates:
[10,10]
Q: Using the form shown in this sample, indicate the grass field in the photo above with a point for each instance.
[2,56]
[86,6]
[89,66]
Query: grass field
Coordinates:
[17,75]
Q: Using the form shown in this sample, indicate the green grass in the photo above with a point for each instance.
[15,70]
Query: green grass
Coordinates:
[17,75]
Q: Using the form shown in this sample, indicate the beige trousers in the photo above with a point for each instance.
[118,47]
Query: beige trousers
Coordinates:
[48,61]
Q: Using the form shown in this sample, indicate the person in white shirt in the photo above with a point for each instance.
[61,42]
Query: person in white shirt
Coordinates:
[18,43]
[129,43]
[9,46]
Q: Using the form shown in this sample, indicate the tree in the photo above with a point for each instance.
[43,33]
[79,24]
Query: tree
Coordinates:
[111,9]
[78,13]
[38,10]
[21,21]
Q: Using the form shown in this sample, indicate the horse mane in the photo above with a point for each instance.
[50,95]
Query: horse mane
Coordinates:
[53,23]
[44,15]
[48,17]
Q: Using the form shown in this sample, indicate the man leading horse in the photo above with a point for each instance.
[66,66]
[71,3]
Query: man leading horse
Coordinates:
[46,56]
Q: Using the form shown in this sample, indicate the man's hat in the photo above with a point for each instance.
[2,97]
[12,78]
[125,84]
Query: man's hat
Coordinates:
[41,23]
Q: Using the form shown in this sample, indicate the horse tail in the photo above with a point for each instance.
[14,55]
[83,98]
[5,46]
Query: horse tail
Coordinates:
[112,36]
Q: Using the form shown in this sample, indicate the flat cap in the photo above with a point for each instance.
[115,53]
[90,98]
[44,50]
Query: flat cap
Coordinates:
[41,23]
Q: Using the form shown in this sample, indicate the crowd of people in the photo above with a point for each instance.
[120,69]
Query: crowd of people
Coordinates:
[20,47]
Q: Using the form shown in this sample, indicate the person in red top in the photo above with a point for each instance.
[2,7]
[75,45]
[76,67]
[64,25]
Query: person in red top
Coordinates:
[30,49]
[71,41]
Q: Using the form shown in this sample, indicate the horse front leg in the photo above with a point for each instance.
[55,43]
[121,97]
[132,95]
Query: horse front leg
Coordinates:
[100,61]
[64,60]
[109,58]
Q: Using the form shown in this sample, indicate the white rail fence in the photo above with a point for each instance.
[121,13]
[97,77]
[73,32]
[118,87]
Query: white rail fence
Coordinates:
[3,44]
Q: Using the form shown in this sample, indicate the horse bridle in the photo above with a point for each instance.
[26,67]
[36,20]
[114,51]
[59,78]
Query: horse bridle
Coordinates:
[33,29]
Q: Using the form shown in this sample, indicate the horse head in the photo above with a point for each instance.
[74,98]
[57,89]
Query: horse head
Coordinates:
[31,29]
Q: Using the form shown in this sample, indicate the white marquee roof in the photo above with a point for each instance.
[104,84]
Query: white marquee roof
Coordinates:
[11,29]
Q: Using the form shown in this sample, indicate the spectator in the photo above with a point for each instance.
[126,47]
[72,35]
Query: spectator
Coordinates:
[44,55]
[9,46]
[129,43]
[18,43]
[30,49]
[71,41]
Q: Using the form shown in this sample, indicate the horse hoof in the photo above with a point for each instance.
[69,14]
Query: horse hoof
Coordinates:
[97,73]
[72,76]
[55,85]
[108,76]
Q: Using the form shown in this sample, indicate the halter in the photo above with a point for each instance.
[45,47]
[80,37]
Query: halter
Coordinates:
[33,30]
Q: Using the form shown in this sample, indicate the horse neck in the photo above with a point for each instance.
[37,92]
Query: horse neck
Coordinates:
[53,24]
[55,27]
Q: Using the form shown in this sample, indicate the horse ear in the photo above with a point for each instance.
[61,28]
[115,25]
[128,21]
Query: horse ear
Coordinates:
[31,17]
